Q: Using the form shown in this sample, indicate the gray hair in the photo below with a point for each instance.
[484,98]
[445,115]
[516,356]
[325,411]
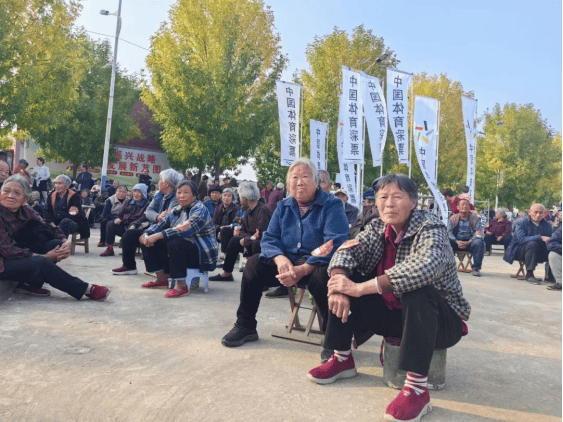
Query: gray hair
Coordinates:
[404,183]
[249,191]
[326,173]
[64,178]
[22,181]
[190,183]
[503,212]
[171,176]
[539,205]
[122,187]
[304,161]
[229,191]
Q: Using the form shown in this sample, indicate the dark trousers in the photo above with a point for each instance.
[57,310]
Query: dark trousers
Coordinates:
[113,230]
[491,239]
[68,226]
[256,276]
[37,270]
[425,323]
[173,256]
[129,244]
[532,253]
[226,236]
[103,224]
[234,249]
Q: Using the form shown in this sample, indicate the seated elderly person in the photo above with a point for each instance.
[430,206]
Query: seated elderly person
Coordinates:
[214,199]
[184,239]
[254,223]
[163,202]
[225,216]
[465,231]
[396,279]
[113,206]
[64,209]
[37,203]
[301,224]
[369,212]
[530,236]
[350,210]
[30,249]
[554,248]
[131,216]
[498,231]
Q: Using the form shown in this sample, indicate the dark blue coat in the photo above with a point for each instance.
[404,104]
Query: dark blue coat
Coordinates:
[554,244]
[522,234]
[294,236]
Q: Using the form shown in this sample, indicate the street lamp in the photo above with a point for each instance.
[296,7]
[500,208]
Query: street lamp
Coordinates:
[111,92]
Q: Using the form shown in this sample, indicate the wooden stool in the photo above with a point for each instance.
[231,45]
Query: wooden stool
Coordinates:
[294,330]
[521,273]
[464,258]
[79,242]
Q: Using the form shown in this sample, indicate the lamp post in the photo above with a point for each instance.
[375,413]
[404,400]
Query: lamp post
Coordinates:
[111,92]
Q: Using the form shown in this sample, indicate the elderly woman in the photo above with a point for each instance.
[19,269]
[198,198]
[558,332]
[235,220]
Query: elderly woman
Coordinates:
[301,223]
[163,202]
[396,279]
[29,248]
[64,209]
[112,207]
[36,203]
[498,232]
[184,239]
[225,216]
[131,216]
[254,224]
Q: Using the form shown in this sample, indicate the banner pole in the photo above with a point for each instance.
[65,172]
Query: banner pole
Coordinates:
[385,140]
[437,141]
[411,138]
[301,118]
[326,146]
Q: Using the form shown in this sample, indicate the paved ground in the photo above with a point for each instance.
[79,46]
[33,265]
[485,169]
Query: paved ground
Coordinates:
[140,357]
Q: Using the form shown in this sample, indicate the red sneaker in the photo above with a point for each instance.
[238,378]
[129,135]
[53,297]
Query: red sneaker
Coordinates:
[156,284]
[99,293]
[108,252]
[124,271]
[333,370]
[408,406]
[25,289]
[172,293]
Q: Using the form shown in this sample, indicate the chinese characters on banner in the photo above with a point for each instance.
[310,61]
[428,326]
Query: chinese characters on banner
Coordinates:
[289,96]
[469,110]
[132,162]
[353,113]
[376,116]
[426,146]
[347,176]
[397,108]
[318,143]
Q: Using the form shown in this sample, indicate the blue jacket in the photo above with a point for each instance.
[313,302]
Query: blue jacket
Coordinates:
[521,235]
[554,244]
[211,206]
[294,236]
[160,203]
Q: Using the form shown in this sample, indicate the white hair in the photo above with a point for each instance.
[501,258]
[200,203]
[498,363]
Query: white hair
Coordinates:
[304,161]
[249,191]
[64,178]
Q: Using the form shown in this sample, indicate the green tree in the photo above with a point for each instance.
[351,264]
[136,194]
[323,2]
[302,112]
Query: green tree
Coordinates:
[519,144]
[41,65]
[213,67]
[81,137]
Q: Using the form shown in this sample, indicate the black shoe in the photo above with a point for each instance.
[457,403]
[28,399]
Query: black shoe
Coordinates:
[326,355]
[219,277]
[278,292]
[556,286]
[549,279]
[238,336]
[533,280]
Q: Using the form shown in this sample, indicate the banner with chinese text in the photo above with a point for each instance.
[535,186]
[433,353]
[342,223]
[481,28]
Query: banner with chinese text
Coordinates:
[375,111]
[397,109]
[131,162]
[353,110]
[347,176]
[289,96]
[426,147]
[318,143]
[469,111]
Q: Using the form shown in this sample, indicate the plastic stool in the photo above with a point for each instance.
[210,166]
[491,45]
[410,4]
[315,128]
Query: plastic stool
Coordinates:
[194,275]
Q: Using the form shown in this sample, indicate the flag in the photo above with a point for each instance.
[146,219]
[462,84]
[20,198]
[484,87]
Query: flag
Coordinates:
[289,96]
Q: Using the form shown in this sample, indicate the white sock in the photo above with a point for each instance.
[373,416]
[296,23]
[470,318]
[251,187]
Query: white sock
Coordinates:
[418,383]
[342,355]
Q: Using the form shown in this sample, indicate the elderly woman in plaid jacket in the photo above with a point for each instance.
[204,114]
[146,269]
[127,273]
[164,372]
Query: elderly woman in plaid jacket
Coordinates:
[396,279]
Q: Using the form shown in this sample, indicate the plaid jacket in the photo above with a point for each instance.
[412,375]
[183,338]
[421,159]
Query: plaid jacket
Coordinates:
[424,257]
[201,232]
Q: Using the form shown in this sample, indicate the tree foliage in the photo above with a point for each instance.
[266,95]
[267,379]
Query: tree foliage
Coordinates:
[81,137]
[213,71]
[520,145]
[41,64]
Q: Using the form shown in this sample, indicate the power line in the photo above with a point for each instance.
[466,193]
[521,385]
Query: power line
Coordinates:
[112,36]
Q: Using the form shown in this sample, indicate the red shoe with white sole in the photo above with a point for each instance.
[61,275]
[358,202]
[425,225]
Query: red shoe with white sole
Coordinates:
[173,293]
[408,406]
[333,370]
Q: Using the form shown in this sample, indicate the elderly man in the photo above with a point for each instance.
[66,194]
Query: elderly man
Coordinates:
[275,196]
[248,236]
[369,212]
[497,232]
[350,210]
[465,231]
[554,248]
[529,240]
[163,202]
[4,171]
[214,199]
[396,279]
[326,183]
[84,179]
[64,209]
[304,222]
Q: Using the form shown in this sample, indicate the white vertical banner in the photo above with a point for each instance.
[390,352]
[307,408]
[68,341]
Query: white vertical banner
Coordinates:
[289,96]
[469,111]
[397,107]
[426,147]
[375,111]
[348,176]
[318,143]
[353,110]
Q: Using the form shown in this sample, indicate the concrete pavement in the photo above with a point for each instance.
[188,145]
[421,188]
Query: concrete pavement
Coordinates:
[141,357]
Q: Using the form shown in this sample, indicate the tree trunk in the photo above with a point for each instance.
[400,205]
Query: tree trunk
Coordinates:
[74,168]
[217,165]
